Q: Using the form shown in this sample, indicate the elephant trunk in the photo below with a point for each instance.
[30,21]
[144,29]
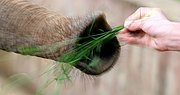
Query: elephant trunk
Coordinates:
[23,24]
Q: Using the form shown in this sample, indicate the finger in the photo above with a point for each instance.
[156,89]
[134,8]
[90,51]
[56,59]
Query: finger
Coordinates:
[123,37]
[131,40]
[138,14]
[135,21]
[134,25]
[125,30]
[142,12]
[123,33]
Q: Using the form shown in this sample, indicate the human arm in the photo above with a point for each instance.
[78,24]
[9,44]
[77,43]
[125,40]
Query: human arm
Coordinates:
[149,27]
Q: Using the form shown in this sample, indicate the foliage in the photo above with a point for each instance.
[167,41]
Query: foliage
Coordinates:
[80,51]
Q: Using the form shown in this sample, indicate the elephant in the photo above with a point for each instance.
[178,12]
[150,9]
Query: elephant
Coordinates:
[23,24]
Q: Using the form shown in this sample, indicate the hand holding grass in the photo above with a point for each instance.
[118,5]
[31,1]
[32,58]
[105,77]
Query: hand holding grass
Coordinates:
[149,27]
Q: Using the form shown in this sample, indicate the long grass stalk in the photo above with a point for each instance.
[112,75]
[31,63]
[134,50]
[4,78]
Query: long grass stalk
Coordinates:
[84,50]
[88,51]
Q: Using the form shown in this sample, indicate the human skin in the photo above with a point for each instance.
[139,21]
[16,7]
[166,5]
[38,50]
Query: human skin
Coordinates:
[23,24]
[150,27]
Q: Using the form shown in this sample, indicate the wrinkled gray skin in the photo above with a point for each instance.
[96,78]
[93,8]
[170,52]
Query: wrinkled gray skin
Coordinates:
[23,24]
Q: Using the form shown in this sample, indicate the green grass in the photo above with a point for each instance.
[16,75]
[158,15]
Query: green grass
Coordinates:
[83,51]
[86,49]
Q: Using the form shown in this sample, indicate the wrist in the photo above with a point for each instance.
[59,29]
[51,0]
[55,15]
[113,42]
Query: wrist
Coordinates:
[173,41]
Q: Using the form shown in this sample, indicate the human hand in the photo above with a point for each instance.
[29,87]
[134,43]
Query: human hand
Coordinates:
[149,27]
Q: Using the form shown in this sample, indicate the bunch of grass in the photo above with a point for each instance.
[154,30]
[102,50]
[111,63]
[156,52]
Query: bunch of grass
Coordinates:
[85,51]
[88,51]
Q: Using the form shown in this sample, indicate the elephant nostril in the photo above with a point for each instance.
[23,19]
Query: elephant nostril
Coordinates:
[104,55]
[96,49]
